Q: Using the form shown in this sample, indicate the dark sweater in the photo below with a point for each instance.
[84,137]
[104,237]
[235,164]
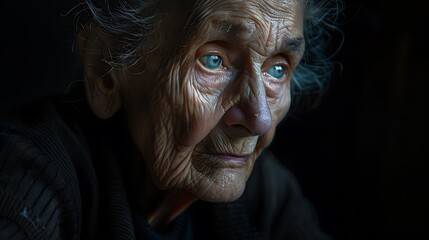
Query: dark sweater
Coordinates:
[60,178]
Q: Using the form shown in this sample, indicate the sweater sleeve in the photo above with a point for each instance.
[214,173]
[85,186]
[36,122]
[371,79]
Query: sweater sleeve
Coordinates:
[35,196]
[39,191]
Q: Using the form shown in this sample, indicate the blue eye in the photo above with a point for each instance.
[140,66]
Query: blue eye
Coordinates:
[276,71]
[211,62]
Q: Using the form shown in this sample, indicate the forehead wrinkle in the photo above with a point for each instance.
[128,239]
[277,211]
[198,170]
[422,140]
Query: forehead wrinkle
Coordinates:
[266,34]
[277,9]
[253,10]
[263,25]
[234,28]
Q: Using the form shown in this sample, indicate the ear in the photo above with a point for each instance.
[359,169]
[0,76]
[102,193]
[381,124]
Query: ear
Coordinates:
[101,83]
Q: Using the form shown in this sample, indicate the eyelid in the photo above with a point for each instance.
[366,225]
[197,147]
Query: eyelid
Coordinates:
[202,60]
[277,60]
[221,67]
[213,49]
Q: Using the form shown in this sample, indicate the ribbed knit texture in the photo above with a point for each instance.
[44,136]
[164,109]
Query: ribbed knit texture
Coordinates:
[39,189]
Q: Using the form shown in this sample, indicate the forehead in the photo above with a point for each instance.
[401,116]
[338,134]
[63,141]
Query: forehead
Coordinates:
[272,9]
[260,21]
[256,10]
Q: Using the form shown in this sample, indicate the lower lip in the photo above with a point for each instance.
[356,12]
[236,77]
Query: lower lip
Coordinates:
[232,158]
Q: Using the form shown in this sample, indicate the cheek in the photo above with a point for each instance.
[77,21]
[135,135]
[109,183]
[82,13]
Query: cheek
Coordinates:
[280,110]
[279,104]
[182,108]
[200,110]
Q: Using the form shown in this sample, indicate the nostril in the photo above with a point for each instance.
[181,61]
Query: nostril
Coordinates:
[234,116]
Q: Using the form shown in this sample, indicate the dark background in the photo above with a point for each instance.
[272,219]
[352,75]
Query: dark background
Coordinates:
[361,154]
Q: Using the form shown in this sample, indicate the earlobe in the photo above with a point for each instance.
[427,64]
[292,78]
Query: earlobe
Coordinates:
[101,83]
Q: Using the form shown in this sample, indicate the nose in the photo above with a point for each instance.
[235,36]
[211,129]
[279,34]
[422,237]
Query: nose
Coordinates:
[251,114]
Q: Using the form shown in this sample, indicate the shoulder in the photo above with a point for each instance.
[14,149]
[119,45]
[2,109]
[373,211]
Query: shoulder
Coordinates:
[38,129]
[38,182]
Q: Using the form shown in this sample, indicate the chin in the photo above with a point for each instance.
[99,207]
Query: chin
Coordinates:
[226,186]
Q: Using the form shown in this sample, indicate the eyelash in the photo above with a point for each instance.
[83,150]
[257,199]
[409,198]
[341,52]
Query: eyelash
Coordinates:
[211,59]
[269,72]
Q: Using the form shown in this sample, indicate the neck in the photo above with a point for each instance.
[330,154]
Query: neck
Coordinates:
[172,204]
[161,207]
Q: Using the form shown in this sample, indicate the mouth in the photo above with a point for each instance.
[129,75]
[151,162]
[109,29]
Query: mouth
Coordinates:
[230,159]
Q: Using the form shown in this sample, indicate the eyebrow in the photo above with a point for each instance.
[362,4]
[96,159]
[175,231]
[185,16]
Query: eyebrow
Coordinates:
[294,44]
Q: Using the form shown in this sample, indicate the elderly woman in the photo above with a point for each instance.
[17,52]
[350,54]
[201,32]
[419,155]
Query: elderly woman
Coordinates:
[182,98]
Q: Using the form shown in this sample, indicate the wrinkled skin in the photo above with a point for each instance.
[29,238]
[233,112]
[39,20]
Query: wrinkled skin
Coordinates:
[198,129]
[201,106]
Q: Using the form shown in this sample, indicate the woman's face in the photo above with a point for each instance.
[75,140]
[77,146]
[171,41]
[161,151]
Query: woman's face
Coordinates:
[208,99]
